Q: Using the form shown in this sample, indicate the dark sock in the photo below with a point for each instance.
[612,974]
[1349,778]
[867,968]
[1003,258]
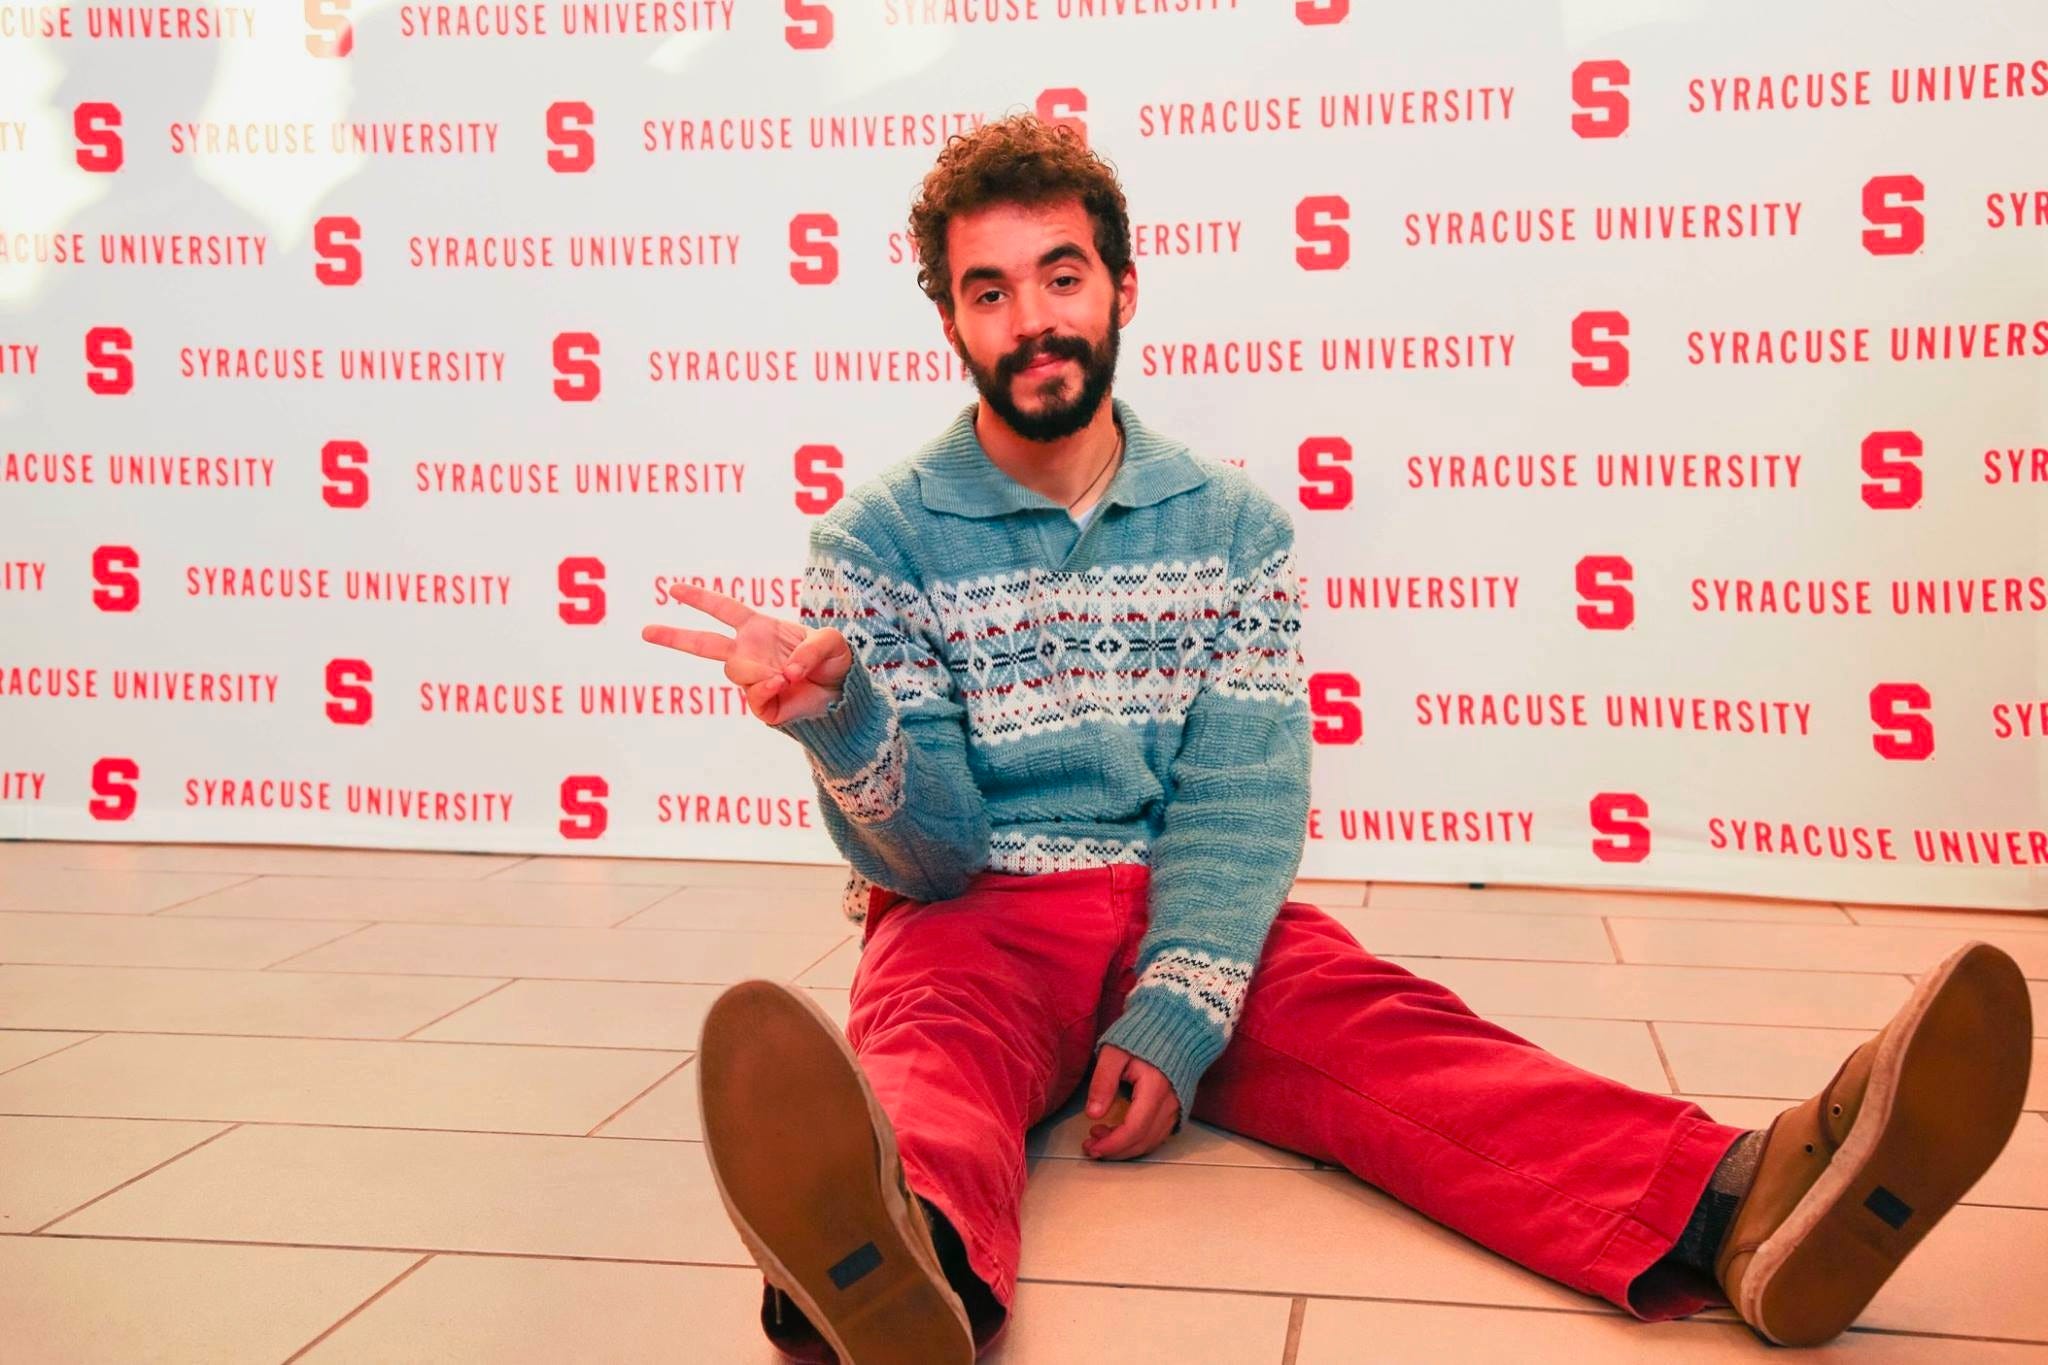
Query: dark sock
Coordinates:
[1708,1226]
[974,1294]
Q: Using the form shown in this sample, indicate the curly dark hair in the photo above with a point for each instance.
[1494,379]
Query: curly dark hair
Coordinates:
[1022,159]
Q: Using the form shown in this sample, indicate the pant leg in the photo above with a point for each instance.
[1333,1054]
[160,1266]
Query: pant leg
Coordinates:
[973,1018]
[1358,1062]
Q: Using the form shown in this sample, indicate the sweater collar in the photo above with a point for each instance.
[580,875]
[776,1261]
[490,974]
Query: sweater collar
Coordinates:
[957,476]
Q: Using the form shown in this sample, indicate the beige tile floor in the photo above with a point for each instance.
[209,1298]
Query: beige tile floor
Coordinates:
[271,1104]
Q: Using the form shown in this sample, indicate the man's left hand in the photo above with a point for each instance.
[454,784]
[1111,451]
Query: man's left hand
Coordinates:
[1154,1107]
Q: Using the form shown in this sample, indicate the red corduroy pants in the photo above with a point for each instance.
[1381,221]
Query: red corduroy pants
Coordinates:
[976,1017]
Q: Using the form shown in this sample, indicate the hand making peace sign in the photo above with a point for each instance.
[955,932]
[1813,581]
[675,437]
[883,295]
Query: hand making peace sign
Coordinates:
[789,671]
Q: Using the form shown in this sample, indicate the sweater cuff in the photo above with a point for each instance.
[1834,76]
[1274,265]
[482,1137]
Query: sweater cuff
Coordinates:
[1173,1034]
[857,750]
[852,732]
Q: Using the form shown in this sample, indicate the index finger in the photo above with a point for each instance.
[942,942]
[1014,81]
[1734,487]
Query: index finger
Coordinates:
[705,644]
[729,610]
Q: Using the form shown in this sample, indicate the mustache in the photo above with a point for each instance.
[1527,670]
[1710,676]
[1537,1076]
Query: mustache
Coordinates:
[1060,348]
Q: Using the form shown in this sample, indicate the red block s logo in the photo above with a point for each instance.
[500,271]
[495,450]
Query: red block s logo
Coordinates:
[112,373]
[584,813]
[1063,106]
[1597,88]
[345,466]
[581,380]
[353,703]
[580,580]
[573,150]
[812,28]
[100,148]
[114,569]
[1333,702]
[341,260]
[115,789]
[1888,202]
[812,241]
[1326,458]
[332,35]
[1317,221]
[1607,605]
[1596,336]
[1892,455]
[1625,818]
[1904,732]
[818,485]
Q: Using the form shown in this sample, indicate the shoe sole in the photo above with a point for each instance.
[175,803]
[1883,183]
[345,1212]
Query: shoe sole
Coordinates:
[806,1163]
[1944,1095]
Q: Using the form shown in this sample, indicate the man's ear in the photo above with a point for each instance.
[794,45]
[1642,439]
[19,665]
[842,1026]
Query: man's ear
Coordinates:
[1127,296]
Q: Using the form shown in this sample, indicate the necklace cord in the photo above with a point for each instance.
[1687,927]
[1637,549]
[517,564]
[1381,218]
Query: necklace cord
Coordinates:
[1099,473]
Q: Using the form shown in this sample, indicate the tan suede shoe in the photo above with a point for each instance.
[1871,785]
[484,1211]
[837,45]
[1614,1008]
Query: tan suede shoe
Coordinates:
[806,1163]
[1849,1181]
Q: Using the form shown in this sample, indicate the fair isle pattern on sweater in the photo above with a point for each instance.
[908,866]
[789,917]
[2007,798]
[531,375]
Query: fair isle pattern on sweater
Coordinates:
[875,792]
[1216,985]
[1016,855]
[1030,855]
[1022,708]
[1128,643]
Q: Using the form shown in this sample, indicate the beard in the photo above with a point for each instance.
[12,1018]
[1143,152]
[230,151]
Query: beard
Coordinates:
[1053,417]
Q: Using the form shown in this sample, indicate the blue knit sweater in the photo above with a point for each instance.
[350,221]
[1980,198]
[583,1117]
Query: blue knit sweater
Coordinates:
[1031,695]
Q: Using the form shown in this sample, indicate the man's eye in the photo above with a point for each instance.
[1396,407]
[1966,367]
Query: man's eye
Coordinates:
[987,296]
[1068,279]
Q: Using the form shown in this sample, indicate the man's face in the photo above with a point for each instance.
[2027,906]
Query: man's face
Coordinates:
[1035,314]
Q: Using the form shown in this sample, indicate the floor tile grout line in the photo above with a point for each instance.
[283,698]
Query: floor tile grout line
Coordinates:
[254,875]
[1656,1041]
[830,926]
[1733,1023]
[1514,1014]
[106,1194]
[1037,1157]
[90,1035]
[1704,966]
[342,1128]
[161,909]
[1296,1312]
[647,1048]
[409,1035]
[1243,1292]
[356,1311]
[827,886]
[1613,943]
[798,979]
[774,935]
[1602,1311]
[596,1136]
[316,947]
[422,976]
[1522,913]
[406,1251]
[659,1082]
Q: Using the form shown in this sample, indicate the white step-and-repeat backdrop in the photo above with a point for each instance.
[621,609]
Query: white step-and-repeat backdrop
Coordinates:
[1659,389]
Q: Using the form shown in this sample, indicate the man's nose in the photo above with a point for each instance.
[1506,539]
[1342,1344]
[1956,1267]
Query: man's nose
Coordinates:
[1030,318]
